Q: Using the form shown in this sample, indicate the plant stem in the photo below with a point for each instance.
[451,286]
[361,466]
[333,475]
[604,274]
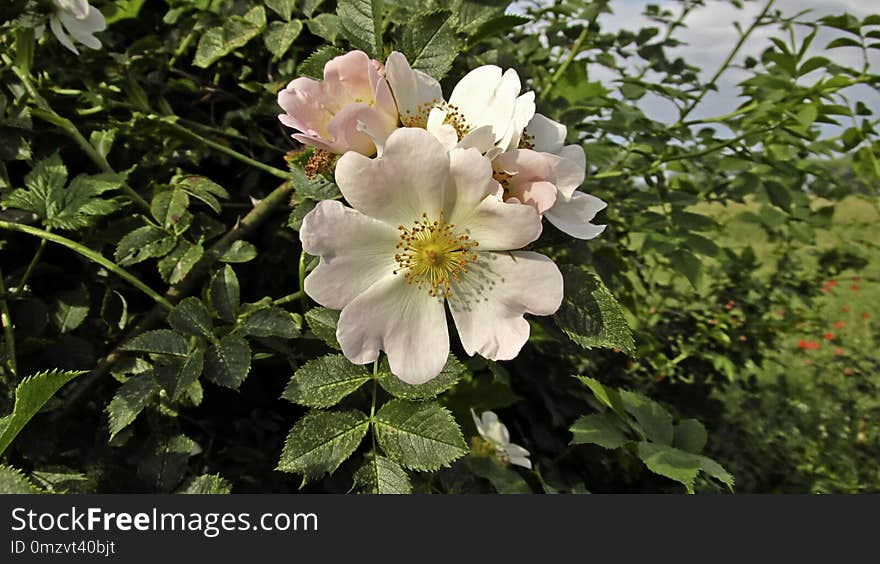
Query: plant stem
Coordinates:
[172,123]
[8,334]
[30,267]
[92,256]
[724,66]
[288,298]
[575,49]
[302,280]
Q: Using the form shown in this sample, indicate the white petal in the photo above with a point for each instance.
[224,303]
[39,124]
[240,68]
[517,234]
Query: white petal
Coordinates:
[83,30]
[494,430]
[408,180]
[573,216]
[477,422]
[501,226]
[486,97]
[78,8]
[571,170]
[356,251]
[489,303]
[59,33]
[480,138]
[445,133]
[547,135]
[400,319]
[411,88]
[523,110]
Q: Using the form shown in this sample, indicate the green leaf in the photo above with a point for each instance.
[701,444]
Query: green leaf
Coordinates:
[361,22]
[225,294]
[165,465]
[46,179]
[239,251]
[503,478]
[71,309]
[12,481]
[30,396]
[322,322]
[379,475]
[169,207]
[690,435]
[419,436]
[324,381]
[102,141]
[176,377]
[317,188]
[174,266]
[202,189]
[843,42]
[130,400]
[452,372]
[681,466]
[283,8]
[191,317]
[779,195]
[600,429]
[280,36]
[143,243]
[430,44]
[590,315]
[236,31]
[687,264]
[653,419]
[321,441]
[228,362]
[608,396]
[326,26]
[270,322]
[206,484]
[313,65]
[158,341]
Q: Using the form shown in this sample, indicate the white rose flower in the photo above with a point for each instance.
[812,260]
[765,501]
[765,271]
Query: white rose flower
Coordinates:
[425,229]
[78,19]
[495,432]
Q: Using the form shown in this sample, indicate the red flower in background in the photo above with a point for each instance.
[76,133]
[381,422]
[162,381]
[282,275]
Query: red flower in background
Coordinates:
[845,309]
[866,316]
[831,283]
[808,345]
[848,371]
[828,336]
[838,351]
[855,288]
[839,324]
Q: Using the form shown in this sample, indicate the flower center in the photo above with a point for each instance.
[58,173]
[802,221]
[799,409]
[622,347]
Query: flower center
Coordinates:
[454,117]
[433,255]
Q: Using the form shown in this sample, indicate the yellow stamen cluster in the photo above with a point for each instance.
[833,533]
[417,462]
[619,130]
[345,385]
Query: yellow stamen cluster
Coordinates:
[432,255]
[321,162]
[526,141]
[503,178]
[419,118]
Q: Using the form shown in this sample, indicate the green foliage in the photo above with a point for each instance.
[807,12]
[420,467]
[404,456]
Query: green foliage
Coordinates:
[234,33]
[131,398]
[419,436]
[448,377]
[324,381]
[380,475]
[30,396]
[321,441]
[225,294]
[361,22]
[12,481]
[228,362]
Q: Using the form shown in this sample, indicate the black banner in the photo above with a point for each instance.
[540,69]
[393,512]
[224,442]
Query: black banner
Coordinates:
[270,528]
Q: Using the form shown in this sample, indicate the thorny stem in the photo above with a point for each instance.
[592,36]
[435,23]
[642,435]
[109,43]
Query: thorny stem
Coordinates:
[724,66]
[183,131]
[8,334]
[177,292]
[92,256]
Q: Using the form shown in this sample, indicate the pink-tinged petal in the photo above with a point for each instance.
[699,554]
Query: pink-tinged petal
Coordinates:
[502,226]
[547,136]
[344,132]
[350,77]
[400,319]
[356,251]
[472,181]
[60,34]
[485,96]
[411,89]
[311,140]
[303,102]
[384,105]
[573,216]
[533,177]
[489,304]
[570,171]
[409,179]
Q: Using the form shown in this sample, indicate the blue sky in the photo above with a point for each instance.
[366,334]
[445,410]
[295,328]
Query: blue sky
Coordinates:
[710,35]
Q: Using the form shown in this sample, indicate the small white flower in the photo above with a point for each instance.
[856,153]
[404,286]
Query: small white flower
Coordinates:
[78,19]
[495,432]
